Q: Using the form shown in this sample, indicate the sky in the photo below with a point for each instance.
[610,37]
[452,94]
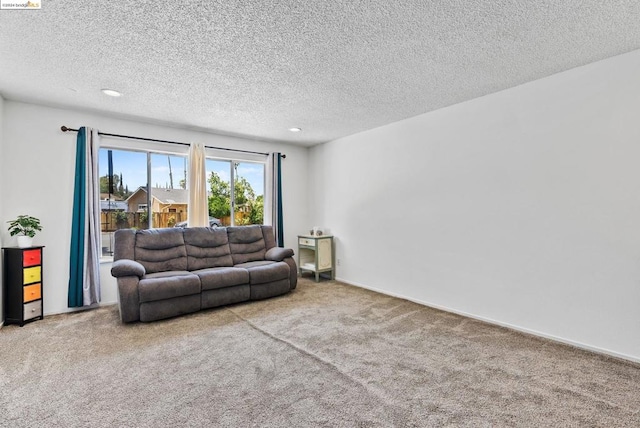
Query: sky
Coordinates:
[133,167]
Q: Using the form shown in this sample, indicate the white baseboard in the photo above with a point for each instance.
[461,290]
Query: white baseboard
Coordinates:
[84,308]
[570,342]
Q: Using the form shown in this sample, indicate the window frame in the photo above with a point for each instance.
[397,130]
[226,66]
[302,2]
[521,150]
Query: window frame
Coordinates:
[158,148]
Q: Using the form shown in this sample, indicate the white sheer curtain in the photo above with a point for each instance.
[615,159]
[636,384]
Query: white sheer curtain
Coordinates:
[273,197]
[197,182]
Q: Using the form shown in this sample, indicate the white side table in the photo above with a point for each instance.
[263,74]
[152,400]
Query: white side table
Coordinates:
[315,254]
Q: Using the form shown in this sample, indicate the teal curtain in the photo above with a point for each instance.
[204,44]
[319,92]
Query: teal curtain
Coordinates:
[273,198]
[76,265]
[279,222]
[84,256]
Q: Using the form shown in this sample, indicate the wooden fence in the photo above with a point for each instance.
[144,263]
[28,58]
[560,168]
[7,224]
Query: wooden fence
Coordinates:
[114,220]
[241,218]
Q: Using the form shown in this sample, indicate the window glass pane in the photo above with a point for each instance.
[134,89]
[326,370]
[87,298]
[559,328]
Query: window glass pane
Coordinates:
[123,197]
[249,193]
[169,202]
[219,190]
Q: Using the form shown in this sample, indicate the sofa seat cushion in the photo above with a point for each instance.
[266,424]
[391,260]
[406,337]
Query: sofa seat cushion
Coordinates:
[166,287]
[248,265]
[220,277]
[166,274]
[268,273]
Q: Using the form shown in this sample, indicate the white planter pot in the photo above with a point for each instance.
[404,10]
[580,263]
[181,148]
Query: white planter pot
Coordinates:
[25,241]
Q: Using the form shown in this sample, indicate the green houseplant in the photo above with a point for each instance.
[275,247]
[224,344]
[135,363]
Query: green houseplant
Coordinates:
[25,227]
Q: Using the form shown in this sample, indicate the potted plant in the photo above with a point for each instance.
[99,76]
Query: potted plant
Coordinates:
[25,227]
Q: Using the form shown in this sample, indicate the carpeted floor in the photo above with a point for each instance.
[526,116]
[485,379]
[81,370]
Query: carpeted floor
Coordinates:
[328,355]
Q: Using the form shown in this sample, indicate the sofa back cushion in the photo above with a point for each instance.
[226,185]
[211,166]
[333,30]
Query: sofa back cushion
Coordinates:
[207,247]
[161,250]
[123,244]
[246,243]
[269,237]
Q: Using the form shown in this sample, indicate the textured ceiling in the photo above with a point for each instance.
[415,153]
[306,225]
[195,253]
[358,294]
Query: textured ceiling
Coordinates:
[333,68]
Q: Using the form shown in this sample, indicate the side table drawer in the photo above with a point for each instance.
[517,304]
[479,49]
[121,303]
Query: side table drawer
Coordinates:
[32,292]
[32,310]
[305,241]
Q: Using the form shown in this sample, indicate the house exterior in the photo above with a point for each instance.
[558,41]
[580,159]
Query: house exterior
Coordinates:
[162,200]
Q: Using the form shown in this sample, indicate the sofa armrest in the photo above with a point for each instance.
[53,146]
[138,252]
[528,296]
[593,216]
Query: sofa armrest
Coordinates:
[128,298]
[278,254]
[126,267]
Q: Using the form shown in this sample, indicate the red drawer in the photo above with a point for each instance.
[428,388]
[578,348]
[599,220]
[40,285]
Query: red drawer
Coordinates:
[31,257]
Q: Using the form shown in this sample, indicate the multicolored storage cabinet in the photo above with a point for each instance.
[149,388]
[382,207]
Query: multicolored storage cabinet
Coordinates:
[22,285]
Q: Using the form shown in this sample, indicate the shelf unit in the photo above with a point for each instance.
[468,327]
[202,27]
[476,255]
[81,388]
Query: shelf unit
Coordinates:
[315,254]
[23,284]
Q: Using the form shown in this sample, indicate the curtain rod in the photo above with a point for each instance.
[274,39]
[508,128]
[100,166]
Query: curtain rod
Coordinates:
[65,129]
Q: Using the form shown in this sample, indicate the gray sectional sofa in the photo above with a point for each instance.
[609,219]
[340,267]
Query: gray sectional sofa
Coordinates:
[163,273]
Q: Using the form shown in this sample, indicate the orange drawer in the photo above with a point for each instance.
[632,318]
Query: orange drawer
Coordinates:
[32,292]
[32,274]
[31,257]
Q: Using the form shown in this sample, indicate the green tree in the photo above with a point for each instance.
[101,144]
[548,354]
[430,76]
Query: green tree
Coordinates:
[256,215]
[120,186]
[245,196]
[219,201]
[104,184]
[243,191]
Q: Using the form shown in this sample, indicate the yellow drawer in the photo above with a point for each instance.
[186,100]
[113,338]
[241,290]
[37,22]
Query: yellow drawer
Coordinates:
[32,274]
[32,292]
[32,310]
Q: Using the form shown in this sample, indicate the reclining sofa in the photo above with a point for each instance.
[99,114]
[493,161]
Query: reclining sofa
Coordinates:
[164,273]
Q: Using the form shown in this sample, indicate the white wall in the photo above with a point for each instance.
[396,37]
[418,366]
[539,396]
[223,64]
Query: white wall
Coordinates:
[521,207]
[2,167]
[38,174]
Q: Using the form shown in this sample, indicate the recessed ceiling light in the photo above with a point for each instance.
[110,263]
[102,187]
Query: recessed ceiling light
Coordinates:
[111,92]
[295,129]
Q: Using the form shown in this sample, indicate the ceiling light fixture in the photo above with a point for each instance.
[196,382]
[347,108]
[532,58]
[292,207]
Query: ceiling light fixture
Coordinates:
[111,92]
[295,129]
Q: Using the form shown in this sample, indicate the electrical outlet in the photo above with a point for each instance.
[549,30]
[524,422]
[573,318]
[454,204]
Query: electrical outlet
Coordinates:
[338,262]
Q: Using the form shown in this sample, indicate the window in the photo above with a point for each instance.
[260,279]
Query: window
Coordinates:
[235,187]
[126,175]
[123,181]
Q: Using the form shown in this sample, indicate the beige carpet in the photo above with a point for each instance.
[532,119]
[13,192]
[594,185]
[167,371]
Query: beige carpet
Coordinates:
[327,355]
